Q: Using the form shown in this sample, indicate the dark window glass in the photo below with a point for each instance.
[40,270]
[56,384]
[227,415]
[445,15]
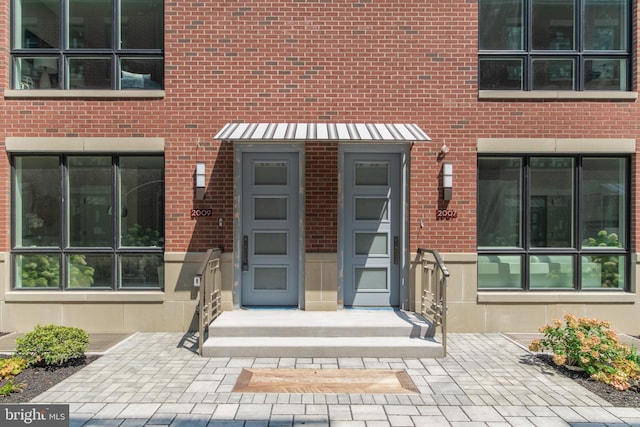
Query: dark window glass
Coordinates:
[561,45]
[71,242]
[88,44]
[574,209]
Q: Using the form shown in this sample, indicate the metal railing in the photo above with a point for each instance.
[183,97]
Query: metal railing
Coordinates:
[434,276]
[209,281]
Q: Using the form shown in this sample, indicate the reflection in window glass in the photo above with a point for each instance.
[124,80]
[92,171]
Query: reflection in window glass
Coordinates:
[105,195]
[90,271]
[499,271]
[141,271]
[553,25]
[604,202]
[606,24]
[142,201]
[36,24]
[142,24]
[552,200]
[90,201]
[37,271]
[84,17]
[89,73]
[499,202]
[551,271]
[553,74]
[37,201]
[500,24]
[500,73]
[141,73]
[603,271]
[605,74]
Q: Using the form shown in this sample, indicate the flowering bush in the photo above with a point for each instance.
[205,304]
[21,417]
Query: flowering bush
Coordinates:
[591,345]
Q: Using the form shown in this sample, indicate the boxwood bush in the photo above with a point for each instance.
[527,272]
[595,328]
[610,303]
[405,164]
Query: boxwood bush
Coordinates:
[52,345]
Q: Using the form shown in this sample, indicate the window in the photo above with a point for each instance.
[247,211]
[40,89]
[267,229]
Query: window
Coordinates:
[87,44]
[573,45]
[88,222]
[553,223]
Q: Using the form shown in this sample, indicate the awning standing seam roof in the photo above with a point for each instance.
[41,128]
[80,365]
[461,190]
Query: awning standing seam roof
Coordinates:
[358,132]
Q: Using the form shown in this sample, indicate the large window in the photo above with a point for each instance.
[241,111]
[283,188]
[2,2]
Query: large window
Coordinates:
[552,223]
[87,44]
[554,44]
[88,222]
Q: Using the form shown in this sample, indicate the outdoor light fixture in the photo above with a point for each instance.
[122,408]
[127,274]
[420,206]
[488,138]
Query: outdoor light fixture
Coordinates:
[447,180]
[200,181]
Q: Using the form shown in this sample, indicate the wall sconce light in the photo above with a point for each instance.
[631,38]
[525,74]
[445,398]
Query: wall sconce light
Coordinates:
[447,180]
[200,181]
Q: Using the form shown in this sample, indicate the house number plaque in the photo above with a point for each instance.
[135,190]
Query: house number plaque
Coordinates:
[201,212]
[446,214]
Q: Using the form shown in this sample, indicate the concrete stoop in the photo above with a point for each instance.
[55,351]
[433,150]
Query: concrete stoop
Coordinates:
[343,333]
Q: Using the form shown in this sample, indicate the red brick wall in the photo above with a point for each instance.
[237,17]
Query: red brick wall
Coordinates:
[312,61]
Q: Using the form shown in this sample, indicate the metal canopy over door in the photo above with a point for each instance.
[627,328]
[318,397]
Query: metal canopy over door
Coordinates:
[372,229]
[269,229]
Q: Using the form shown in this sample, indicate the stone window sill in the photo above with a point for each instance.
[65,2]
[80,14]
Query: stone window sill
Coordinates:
[80,296]
[84,93]
[546,297]
[568,95]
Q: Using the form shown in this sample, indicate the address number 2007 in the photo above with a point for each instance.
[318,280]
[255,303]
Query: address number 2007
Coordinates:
[446,214]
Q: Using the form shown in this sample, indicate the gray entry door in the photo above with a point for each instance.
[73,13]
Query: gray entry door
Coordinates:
[372,230]
[270,229]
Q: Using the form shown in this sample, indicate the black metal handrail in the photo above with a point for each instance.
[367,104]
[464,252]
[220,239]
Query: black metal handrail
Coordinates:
[434,292]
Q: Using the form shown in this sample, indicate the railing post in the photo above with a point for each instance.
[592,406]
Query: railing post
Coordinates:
[208,279]
[434,294]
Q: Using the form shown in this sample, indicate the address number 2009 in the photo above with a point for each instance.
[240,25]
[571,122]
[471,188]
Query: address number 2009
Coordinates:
[201,212]
[446,214]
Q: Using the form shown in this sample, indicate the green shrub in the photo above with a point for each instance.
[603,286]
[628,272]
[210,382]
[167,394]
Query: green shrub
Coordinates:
[52,345]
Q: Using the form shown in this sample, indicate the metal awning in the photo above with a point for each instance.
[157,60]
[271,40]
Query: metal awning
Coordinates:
[354,132]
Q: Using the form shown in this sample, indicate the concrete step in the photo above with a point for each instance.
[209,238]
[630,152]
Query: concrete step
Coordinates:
[322,347]
[352,323]
[343,333]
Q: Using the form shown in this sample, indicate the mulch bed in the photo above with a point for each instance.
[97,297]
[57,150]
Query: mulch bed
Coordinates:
[627,398]
[37,380]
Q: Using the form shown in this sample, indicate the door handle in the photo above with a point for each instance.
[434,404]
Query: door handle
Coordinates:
[245,253]
[396,250]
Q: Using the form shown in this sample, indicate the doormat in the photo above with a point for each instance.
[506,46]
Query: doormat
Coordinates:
[362,381]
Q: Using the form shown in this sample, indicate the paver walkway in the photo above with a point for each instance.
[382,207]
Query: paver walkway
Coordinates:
[486,380]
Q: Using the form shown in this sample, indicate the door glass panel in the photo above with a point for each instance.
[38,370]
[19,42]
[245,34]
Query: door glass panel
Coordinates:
[554,271]
[270,279]
[270,208]
[371,244]
[371,209]
[270,173]
[270,244]
[372,279]
[372,173]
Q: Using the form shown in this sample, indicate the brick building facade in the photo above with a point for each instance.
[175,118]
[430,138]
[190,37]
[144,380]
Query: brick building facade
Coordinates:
[315,62]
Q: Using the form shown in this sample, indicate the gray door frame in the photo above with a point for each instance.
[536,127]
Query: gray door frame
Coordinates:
[403,150]
[239,150]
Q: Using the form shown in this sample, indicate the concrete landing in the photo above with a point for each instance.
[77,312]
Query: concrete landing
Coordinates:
[344,333]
